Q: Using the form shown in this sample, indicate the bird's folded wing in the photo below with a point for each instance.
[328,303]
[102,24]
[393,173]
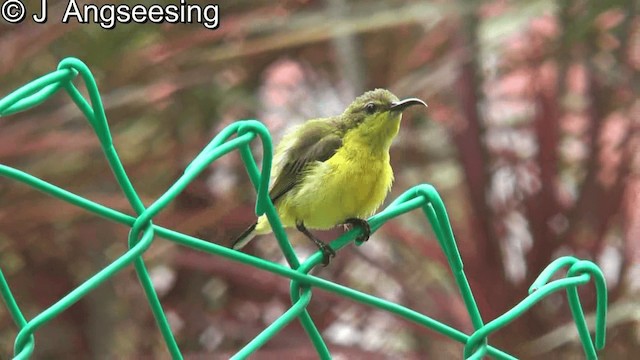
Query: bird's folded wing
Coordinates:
[317,140]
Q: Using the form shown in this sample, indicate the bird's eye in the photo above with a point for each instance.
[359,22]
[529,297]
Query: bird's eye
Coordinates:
[370,108]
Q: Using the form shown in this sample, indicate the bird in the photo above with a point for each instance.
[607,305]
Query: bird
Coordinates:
[334,171]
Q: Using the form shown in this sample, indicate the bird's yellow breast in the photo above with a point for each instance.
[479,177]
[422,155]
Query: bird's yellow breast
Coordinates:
[353,183]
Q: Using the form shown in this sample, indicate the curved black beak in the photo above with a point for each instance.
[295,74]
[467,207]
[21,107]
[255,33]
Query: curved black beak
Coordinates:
[403,104]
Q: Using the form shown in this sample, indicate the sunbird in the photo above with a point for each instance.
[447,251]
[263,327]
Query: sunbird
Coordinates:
[334,171]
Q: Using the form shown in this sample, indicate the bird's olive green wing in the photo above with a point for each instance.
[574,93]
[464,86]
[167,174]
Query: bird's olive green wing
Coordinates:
[317,140]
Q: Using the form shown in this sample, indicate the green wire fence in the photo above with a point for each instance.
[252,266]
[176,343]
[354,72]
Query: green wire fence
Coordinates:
[240,135]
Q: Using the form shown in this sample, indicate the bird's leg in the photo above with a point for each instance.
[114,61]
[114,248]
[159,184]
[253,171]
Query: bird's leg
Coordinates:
[363,224]
[327,251]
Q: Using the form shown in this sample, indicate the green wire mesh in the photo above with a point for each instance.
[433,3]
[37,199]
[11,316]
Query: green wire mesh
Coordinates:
[240,135]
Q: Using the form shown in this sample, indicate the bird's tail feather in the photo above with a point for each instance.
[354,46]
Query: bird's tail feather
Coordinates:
[245,237]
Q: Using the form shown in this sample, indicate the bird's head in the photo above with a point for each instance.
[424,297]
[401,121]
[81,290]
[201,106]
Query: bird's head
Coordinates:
[374,117]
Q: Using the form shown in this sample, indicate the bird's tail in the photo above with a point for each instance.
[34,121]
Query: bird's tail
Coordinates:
[260,227]
[245,237]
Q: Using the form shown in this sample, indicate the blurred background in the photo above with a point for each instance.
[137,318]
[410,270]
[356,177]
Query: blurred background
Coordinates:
[531,138]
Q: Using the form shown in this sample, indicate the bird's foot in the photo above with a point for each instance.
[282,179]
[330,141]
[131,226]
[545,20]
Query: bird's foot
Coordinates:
[327,251]
[364,225]
[327,254]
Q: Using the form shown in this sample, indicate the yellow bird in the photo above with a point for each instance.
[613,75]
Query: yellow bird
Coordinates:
[335,170]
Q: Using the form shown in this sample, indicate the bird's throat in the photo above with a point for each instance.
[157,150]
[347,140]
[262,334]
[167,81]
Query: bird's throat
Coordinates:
[376,138]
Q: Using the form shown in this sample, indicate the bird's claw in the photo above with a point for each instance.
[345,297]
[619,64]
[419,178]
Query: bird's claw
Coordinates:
[327,254]
[364,225]
[366,232]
